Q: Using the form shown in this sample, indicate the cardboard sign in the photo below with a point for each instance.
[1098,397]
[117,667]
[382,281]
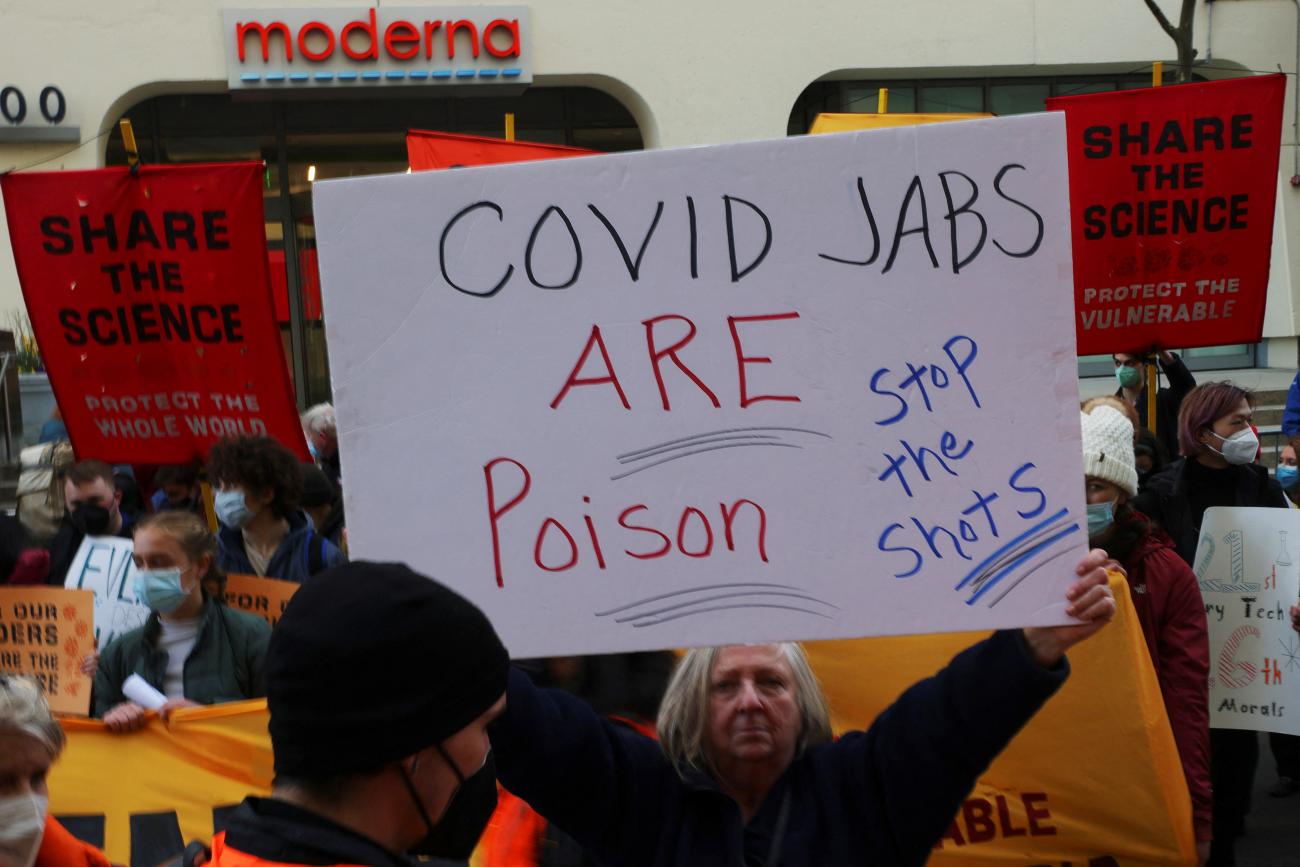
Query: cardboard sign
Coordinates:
[265,597]
[444,150]
[103,566]
[737,393]
[1248,566]
[45,632]
[1039,804]
[150,298]
[1172,193]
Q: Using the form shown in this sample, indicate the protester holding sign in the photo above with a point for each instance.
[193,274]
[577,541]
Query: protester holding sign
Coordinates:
[1164,593]
[192,649]
[1217,469]
[399,765]
[258,501]
[1131,371]
[94,509]
[746,772]
[30,742]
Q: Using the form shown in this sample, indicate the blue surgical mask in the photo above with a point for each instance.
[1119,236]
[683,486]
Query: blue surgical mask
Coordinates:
[311,447]
[1287,476]
[160,589]
[1100,517]
[232,508]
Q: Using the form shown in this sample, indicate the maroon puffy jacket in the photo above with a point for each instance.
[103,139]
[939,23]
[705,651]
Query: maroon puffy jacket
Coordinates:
[1172,614]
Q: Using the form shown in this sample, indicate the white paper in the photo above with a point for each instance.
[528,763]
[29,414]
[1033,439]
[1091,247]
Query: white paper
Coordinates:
[104,566]
[1248,566]
[140,691]
[774,517]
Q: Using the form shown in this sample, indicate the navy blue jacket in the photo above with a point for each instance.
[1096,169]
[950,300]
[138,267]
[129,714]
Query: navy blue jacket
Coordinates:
[292,560]
[880,797]
[1291,415]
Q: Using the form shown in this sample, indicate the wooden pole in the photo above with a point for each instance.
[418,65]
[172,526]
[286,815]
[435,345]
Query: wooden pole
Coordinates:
[128,143]
[510,126]
[1153,385]
[1157,73]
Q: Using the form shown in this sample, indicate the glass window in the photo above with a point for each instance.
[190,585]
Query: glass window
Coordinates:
[953,98]
[349,136]
[1007,99]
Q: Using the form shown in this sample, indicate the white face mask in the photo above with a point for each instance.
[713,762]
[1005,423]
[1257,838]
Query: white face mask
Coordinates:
[1240,448]
[22,826]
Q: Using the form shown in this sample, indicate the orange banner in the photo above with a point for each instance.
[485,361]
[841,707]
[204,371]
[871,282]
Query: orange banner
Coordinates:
[45,632]
[265,597]
[443,150]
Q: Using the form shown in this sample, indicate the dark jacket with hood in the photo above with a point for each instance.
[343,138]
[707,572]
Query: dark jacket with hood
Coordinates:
[1168,400]
[1167,500]
[271,832]
[883,796]
[1172,614]
[302,552]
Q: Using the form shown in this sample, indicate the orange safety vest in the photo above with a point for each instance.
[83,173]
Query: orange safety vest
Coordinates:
[224,856]
[60,849]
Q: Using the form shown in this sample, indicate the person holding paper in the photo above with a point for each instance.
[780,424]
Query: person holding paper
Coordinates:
[1217,469]
[94,508]
[30,742]
[1164,593]
[745,772]
[192,649]
[258,500]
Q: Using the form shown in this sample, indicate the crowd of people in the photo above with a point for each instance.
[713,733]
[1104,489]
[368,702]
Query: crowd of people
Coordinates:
[739,767]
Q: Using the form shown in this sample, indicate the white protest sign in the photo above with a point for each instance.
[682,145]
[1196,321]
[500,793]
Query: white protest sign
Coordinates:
[104,566]
[1248,566]
[810,388]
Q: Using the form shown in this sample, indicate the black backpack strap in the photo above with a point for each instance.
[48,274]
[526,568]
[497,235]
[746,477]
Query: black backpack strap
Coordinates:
[315,552]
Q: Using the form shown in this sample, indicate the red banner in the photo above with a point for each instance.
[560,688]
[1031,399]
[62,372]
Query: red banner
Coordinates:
[444,150]
[150,297]
[1172,192]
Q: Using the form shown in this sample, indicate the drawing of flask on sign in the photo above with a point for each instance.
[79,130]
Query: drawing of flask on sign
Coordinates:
[1283,555]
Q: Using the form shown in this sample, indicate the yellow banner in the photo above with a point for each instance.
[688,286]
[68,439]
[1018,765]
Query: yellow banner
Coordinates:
[45,632]
[830,122]
[1094,780]
[165,784]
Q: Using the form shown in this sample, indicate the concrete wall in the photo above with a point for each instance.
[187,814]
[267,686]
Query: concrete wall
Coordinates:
[690,72]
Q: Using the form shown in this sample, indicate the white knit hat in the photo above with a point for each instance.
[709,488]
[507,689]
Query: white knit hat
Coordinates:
[1108,447]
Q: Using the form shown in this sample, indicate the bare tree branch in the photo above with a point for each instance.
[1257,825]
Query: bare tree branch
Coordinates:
[1164,22]
[1187,17]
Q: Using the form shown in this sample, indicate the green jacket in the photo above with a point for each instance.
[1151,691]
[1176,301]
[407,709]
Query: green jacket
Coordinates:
[228,662]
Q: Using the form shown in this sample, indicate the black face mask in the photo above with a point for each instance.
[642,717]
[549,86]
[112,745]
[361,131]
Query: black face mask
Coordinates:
[462,823]
[90,519]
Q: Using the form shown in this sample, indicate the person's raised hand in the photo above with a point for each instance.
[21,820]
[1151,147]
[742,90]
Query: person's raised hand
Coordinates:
[125,717]
[1090,601]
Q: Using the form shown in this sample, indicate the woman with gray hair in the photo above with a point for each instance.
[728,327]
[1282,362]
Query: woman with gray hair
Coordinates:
[746,773]
[30,742]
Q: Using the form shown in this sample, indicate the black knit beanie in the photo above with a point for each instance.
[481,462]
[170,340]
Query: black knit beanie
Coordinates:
[372,662]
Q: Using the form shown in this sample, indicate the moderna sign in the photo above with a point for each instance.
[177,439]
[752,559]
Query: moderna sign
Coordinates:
[300,49]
